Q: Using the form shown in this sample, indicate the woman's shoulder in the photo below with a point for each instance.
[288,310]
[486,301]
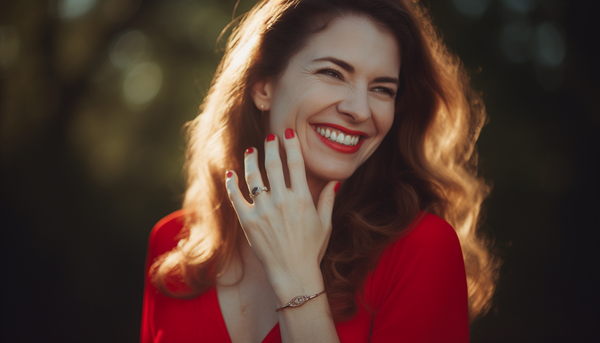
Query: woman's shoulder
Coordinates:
[431,246]
[424,263]
[430,234]
[166,233]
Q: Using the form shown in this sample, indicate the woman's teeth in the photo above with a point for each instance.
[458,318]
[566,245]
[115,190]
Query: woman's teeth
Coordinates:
[338,137]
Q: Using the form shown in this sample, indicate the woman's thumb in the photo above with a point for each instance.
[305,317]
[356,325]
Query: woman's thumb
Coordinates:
[326,200]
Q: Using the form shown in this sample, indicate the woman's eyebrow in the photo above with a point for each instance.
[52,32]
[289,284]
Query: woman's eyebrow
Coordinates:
[344,65]
[393,80]
[349,68]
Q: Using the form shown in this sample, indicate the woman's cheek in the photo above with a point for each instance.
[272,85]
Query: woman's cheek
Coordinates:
[322,94]
[383,115]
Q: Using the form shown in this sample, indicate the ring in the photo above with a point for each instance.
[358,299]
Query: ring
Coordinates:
[256,191]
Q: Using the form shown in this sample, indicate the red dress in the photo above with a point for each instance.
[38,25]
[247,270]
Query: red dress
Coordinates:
[418,293]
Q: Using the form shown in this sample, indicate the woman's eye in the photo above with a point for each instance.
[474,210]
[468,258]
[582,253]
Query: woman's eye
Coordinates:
[389,91]
[331,72]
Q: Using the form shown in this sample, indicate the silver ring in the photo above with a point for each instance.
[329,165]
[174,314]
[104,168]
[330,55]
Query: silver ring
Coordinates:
[256,191]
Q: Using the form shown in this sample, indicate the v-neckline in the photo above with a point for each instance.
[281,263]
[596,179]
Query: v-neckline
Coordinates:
[268,338]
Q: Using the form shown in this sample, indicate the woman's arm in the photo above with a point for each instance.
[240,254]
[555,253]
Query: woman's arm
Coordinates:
[289,236]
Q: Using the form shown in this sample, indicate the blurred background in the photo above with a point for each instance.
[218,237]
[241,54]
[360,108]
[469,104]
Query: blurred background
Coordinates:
[93,96]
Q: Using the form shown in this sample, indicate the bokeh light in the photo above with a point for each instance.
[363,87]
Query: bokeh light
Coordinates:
[128,49]
[550,45]
[71,9]
[104,142]
[186,21]
[9,46]
[515,41]
[119,10]
[205,27]
[471,8]
[142,83]
[545,43]
[520,6]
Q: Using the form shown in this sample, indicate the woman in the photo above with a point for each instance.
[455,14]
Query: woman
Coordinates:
[357,126]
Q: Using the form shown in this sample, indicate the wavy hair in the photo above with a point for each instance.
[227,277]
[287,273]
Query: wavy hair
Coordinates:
[427,161]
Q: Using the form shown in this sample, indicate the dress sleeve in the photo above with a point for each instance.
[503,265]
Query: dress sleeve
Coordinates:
[163,238]
[419,287]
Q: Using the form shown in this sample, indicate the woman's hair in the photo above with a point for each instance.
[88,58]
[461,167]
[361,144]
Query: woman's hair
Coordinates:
[427,161]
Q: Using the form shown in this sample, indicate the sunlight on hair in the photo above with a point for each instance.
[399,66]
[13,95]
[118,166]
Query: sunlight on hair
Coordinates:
[202,251]
[437,150]
[242,57]
[451,154]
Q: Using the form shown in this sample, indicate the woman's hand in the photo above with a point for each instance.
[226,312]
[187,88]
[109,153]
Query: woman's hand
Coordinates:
[286,231]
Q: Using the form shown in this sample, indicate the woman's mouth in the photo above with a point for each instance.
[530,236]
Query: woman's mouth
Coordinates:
[337,136]
[338,140]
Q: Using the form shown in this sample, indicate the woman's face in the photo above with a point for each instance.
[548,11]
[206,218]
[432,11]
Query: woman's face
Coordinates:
[338,94]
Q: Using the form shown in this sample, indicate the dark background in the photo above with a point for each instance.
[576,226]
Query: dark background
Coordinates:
[93,95]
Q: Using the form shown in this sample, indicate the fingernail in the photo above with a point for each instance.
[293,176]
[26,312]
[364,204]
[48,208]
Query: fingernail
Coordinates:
[249,150]
[289,133]
[270,137]
[337,186]
[229,174]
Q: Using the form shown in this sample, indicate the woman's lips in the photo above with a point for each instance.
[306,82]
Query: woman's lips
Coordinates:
[343,129]
[346,149]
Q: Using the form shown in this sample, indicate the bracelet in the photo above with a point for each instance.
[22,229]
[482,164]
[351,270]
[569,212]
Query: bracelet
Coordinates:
[299,300]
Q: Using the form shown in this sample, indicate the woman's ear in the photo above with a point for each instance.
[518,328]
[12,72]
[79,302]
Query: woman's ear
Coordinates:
[262,93]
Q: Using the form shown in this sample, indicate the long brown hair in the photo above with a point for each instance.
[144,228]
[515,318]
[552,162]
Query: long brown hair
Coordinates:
[427,161]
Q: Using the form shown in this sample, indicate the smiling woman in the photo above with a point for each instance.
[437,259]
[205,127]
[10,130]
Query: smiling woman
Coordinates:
[336,83]
[362,202]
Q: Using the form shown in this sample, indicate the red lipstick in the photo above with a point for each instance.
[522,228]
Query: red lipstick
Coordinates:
[343,129]
[346,149]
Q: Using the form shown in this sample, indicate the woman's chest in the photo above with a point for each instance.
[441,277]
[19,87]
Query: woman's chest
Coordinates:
[202,320]
[248,312]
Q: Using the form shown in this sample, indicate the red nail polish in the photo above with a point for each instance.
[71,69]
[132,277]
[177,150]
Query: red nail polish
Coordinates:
[270,137]
[249,150]
[289,133]
[337,186]
[229,174]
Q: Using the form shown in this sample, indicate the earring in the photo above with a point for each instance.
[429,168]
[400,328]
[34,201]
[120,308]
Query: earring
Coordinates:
[262,110]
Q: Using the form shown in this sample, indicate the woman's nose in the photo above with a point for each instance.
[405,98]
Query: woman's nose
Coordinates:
[356,105]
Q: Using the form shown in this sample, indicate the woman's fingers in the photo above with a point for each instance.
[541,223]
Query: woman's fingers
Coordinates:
[274,168]
[237,199]
[326,201]
[325,209]
[295,162]
[253,177]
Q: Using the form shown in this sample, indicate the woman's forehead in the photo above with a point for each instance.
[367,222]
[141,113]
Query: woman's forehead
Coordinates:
[357,41]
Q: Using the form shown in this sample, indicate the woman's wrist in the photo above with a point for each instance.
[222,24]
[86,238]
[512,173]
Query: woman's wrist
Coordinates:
[289,285]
